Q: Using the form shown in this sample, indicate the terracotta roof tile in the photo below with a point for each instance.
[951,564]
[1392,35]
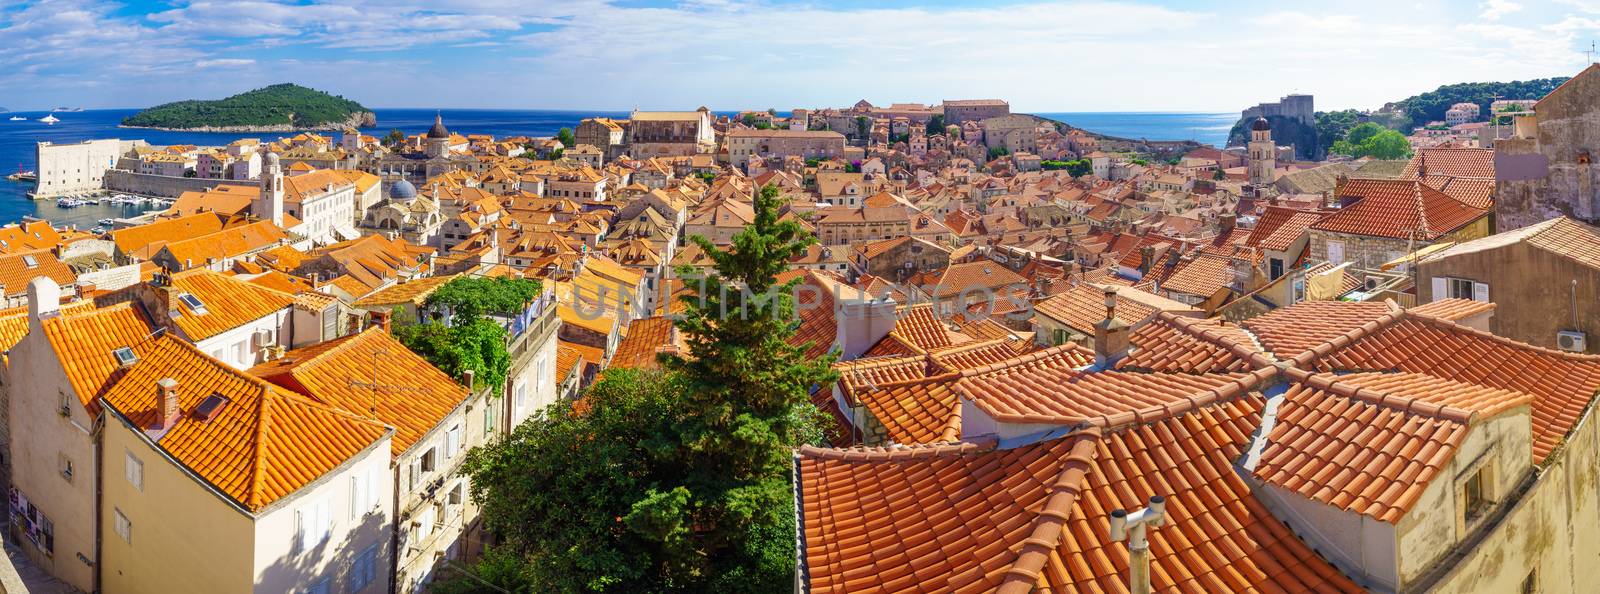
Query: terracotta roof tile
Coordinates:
[962,518]
[1396,208]
[84,341]
[227,302]
[646,337]
[1360,443]
[1563,384]
[1279,227]
[1453,309]
[1171,343]
[917,411]
[339,373]
[262,444]
[1292,330]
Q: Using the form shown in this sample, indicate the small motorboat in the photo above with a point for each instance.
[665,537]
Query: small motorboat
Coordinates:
[105,222]
[49,119]
[18,119]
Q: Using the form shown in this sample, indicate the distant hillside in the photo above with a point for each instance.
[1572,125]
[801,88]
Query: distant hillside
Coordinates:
[1430,106]
[278,108]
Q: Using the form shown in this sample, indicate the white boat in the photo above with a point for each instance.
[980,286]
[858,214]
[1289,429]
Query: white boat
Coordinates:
[105,222]
[18,119]
[49,119]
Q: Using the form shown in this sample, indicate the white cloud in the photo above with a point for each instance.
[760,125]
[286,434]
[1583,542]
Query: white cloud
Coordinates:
[1043,55]
[224,63]
[1494,9]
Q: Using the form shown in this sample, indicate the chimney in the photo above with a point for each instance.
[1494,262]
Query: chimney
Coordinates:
[44,301]
[1110,335]
[381,320]
[468,378]
[1147,259]
[167,404]
[1228,221]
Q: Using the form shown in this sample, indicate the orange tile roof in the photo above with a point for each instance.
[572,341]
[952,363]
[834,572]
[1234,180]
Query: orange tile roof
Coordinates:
[1084,305]
[976,354]
[229,302]
[333,373]
[414,291]
[1397,208]
[29,236]
[1368,443]
[1279,227]
[1066,396]
[143,241]
[15,273]
[1453,309]
[83,341]
[1563,384]
[951,281]
[917,411]
[227,243]
[967,518]
[1209,271]
[1451,161]
[1172,343]
[1289,331]
[646,337]
[262,444]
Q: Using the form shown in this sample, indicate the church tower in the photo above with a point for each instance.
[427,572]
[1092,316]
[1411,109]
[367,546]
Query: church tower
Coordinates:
[269,204]
[1263,154]
[437,143]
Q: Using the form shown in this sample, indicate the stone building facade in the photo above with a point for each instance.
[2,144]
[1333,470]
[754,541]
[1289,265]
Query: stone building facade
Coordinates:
[1545,169]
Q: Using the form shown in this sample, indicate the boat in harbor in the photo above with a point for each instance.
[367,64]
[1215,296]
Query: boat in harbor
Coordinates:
[49,119]
[105,222]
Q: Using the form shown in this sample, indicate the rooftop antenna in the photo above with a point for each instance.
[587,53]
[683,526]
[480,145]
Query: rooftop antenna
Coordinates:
[375,386]
[1588,54]
[1131,528]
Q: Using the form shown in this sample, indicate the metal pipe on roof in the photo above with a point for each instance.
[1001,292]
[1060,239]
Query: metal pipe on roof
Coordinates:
[1131,528]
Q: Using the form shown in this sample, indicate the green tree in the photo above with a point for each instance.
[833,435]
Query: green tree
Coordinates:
[394,137]
[997,152]
[565,136]
[675,480]
[1387,145]
[936,124]
[1361,132]
[463,336]
[863,127]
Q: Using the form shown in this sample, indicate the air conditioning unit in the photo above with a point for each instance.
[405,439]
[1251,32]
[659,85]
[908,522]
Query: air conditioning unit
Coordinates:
[1372,283]
[1572,340]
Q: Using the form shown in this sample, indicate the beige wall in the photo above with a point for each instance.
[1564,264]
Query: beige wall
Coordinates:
[1551,531]
[183,538]
[40,439]
[1532,288]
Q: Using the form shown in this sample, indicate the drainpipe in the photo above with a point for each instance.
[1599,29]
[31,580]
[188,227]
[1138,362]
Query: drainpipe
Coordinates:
[1131,528]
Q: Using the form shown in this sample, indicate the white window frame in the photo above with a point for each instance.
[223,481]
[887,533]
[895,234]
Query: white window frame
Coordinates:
[124,526]
[133,470]
[313,524]
[452,441]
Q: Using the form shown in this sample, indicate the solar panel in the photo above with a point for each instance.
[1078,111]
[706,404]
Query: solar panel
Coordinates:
[125,356]
[193,302]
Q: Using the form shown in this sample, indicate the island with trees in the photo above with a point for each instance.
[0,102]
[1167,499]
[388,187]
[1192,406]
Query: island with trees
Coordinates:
[278,108]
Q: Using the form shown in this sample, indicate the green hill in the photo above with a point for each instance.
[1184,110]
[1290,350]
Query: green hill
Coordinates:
[276,108]
[1430,106]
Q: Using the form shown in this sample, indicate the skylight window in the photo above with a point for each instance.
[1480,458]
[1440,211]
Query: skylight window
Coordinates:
[30,261]
[193,303]
[210,407]
[125,356]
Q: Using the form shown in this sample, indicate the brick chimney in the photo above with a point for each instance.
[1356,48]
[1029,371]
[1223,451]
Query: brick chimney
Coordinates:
[1147,259]
[166,404]
[1110,335]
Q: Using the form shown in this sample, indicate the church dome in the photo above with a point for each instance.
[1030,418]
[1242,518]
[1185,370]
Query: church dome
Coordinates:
[1260,124]
[438,131]
[402,191]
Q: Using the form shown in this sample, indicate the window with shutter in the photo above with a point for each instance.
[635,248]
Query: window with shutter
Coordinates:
[133,469]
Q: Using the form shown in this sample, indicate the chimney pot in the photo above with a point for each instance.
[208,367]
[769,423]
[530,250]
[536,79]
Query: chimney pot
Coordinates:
[167,401]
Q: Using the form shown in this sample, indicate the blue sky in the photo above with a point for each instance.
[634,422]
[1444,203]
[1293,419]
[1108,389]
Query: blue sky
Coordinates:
[729,54]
